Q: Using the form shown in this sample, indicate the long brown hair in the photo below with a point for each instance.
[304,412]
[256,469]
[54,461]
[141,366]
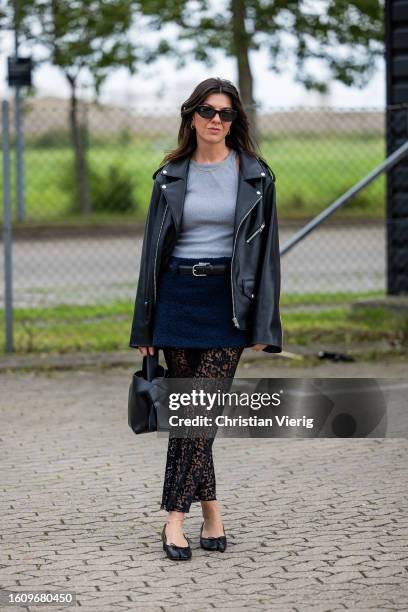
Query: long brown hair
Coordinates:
[238,137]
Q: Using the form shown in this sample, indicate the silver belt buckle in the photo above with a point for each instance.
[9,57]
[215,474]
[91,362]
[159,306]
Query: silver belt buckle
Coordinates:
[200,263]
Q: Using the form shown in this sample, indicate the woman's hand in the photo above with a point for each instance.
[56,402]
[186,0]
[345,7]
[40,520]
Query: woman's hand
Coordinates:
[145,350]
[258,347]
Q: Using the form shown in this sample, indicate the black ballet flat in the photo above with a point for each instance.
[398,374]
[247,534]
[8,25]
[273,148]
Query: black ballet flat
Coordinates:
[176,553]
[219,543]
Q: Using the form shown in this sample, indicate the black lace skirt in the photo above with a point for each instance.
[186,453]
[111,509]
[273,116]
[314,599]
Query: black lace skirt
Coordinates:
[189,474]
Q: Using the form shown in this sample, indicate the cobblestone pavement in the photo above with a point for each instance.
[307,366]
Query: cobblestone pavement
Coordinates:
[317,525]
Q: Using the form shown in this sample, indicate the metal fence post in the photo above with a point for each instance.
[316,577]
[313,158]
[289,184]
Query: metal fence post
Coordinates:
[7,240]
[20,195]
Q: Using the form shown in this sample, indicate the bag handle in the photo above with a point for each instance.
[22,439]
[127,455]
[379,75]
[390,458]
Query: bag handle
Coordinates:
[150,364]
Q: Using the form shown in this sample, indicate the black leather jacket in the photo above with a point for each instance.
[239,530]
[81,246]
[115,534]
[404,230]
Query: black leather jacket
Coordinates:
[255,264]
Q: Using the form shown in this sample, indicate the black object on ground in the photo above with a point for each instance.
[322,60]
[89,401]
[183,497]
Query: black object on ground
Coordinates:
[334,356]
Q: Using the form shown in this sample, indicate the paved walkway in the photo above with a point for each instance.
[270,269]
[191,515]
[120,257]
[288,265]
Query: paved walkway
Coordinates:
[317,525]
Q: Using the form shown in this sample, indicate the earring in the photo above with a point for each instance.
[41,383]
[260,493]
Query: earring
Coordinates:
[192,126]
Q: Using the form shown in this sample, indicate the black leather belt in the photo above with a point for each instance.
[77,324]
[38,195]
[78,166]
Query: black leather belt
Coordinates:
[203,269]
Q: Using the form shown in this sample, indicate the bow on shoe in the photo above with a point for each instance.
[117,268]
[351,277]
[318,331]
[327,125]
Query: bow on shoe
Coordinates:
[174,552]
[219,543]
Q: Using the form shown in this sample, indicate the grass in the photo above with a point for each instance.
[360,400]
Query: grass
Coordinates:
[339,325]
[311,171]
[325,299]
[66,329]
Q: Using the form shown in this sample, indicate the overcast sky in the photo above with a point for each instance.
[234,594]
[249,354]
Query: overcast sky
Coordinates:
[162,86]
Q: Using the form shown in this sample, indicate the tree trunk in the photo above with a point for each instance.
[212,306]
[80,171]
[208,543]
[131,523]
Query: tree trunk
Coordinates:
[78,133]
[240,44]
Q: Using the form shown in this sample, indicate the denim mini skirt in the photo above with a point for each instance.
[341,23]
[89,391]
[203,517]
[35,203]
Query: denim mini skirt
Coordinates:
[195,311]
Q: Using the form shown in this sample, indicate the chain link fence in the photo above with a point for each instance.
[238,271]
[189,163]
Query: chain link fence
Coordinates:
[77,234]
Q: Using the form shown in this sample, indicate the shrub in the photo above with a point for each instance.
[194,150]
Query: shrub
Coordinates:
[111,188]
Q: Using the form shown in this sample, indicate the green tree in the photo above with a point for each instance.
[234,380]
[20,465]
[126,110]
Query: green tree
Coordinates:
[81,35]
[345,36]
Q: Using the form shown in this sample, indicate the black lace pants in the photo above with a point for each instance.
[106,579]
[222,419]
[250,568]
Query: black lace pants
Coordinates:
[189,474]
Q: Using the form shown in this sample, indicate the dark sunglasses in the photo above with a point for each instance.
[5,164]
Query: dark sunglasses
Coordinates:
[208,112]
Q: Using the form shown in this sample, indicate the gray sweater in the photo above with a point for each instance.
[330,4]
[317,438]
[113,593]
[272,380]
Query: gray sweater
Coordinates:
[207,223]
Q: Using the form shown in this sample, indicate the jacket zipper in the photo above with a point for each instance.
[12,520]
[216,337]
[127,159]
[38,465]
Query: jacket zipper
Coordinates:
[155,256]
[255,233]
[234,318]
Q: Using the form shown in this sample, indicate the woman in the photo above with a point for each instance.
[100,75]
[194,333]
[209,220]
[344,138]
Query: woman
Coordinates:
[209,282]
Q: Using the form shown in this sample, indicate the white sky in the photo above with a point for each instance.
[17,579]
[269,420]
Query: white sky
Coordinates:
[161,86]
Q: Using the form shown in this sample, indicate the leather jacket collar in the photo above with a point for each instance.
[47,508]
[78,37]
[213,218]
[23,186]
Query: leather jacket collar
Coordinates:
[250,177]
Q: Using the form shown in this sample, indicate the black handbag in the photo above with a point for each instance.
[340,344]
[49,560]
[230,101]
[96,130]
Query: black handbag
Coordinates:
[148,397]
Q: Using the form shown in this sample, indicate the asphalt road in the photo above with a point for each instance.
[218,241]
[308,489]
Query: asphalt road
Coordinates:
[100,269]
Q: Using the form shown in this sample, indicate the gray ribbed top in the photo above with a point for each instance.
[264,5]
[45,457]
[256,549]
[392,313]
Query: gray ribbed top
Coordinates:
[207,223]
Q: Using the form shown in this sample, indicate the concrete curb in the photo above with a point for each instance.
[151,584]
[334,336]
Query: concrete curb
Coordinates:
[132,357]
